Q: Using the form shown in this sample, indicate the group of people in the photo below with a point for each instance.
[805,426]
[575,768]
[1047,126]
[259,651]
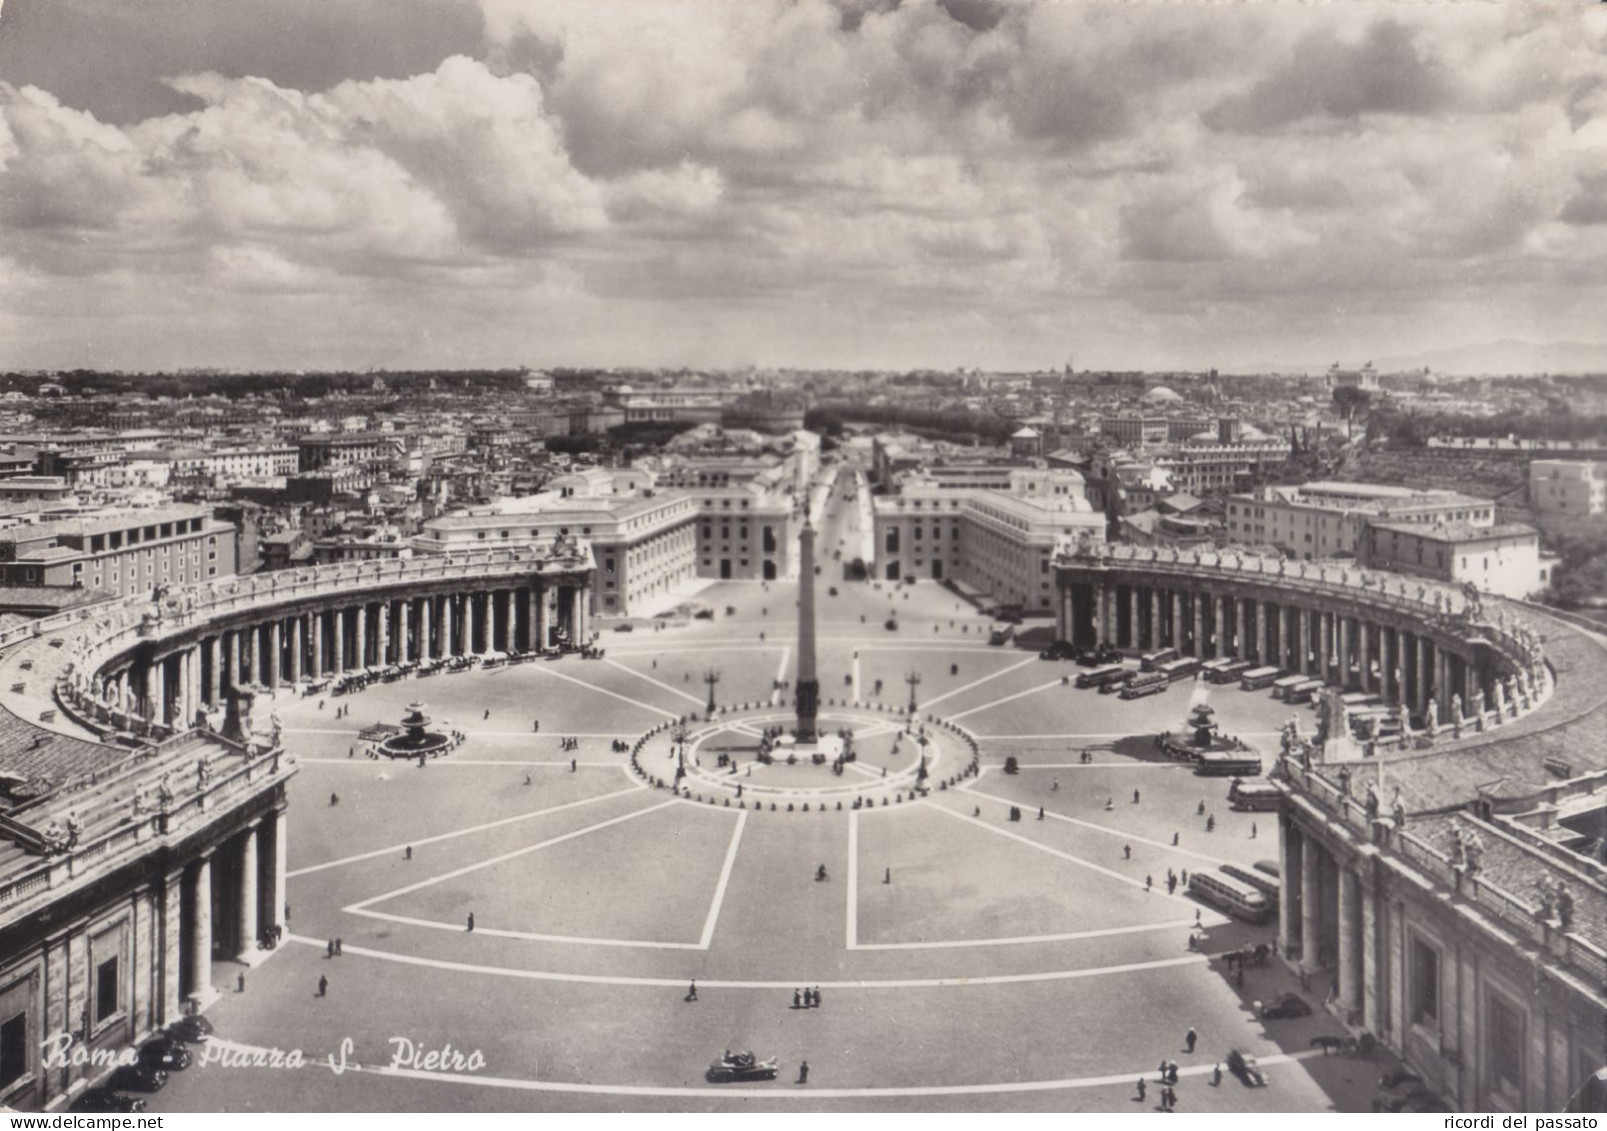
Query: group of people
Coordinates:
[569,744]
[334,948]
[806,998]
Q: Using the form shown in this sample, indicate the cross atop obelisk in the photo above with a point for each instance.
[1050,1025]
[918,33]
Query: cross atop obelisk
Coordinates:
[808,685]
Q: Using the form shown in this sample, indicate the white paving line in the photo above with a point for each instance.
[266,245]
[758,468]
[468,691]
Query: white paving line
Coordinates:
[654,680]
[1125,836]
[1078,860]
[979,682]
[529,936]
[361,906]
[445,762]
[781,673]
[853,880]
[1104,765]
[396,848]
[725,879]
[1113,734]
[606,691]
[1002,702]
[728,984]
[780,1090]
[1019,940]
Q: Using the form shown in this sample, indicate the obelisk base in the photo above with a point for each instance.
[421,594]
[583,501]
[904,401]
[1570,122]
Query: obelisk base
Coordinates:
[808,705]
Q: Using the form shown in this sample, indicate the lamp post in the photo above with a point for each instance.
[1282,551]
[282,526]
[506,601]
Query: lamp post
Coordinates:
[914,680]
[711,677]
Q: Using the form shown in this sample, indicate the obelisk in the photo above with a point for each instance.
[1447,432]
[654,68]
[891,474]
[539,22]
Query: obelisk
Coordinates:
[808,685]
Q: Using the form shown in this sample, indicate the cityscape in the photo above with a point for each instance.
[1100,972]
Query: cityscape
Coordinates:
[540,573]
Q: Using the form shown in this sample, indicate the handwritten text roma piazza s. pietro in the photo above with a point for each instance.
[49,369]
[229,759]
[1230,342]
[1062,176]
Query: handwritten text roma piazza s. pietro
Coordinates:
[63,1051]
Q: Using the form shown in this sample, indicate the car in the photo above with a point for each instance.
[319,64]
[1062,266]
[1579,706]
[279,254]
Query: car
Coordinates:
[1058,650]
[1286,1008]
[891,625]
[1244,1066]
[703,614]
[1098,657]
[832,592]
[163,1051]
[138,1078]
[104,1099]
[624,628]
[192,1030]
[741,1066]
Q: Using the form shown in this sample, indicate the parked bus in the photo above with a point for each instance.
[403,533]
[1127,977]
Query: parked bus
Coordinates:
[1118,681]
[1183,668]
[1211,667]
[1281,685]
[1228,764]
[1357,700]
[1094,677]
[1149,661]
[1257,678]
[1303,691]
[1266,885]
[1230,894]
[1250,796]
[1230,672]
[1147,683]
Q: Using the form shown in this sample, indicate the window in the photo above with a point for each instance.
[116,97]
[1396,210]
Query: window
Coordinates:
[106,990]
[13,1049]
[1504,1046]
[1425,984]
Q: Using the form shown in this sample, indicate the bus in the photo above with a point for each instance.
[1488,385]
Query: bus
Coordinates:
[1230,672]
[1002,635]
[1183,668]
[1149,661]
[1250,796]
[1094,677]
[1228,764]
[1304,691]
[1146,683]
[1230,894]
[1281,685]
[1266,885]
[1117,681]
[1356,700]
[1257,678]
[1211,667]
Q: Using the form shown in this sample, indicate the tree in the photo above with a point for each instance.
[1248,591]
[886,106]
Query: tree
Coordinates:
[1350,400]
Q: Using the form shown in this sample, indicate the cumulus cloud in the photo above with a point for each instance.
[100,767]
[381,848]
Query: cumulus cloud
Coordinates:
[985,175]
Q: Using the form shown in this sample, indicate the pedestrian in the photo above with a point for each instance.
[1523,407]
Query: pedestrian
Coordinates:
[1252,830]
[1127,852]
[1135,797]
[572,765]
[323,986]
[1216,1075]
[487,713]
[1190,1039]
[409,854]
[1149,882]
[803,1072]
[329,948]
[240,983]
[1142,1089]
[340,946]
[1200,809]
[334,799]
[1040,812]
[1185,879]
[1210,823]
[817,997]
[351,752]
[1110,804]
[527,779]
[1055,786]
[797,999]
[1171,1071]
[887,877]
[471,920]
[691,990]
[1174,840]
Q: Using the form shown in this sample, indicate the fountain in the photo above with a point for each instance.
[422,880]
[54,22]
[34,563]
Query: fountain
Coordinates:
[416,739]
[1201,741]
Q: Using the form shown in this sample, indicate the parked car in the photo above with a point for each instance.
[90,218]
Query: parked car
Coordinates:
[741,1066]
[624,628]
[891,625]
[1058,650]
[138,1078]
[1098,657]
[164,1051]
[104,1099]
[1286,1008]
[703,614]
[192,1030]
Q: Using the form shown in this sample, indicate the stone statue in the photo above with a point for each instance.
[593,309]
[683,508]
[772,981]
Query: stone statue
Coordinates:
[1478,703]
[1459,854]
[275,727]
[1543,889]
[203,774]
[1565,906]
[1344,781]
[1456,708]
[1475,853]
[1398,809]
[1433,715]
[1498,687]
[1372,802]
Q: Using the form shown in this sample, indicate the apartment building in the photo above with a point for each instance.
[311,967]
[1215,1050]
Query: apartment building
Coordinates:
[120,552]
[1568,486]
[1329,519]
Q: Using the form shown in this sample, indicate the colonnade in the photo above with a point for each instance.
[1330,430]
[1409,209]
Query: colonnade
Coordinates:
[1327,921]
[1342,646]
[329,641]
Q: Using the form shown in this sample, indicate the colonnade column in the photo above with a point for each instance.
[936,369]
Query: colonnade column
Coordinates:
[468,624]
[1198,599]
[172,996]
[1372,998]
[580,614]
[445,636]
[1135,599]
[156,690]
[360,651]
[248,930]
[201,929]
[1424,692]
[1344,651]
[1305,641]
[1364,640]
[281,833]
[231,660]
[1263,614]
[275,652]
[1290,862]
[317,645]
[1310,900]
[1325,645]
[298,647]
[214,655]
[337,628]
[1241,639]
[1349,940]
[426,617]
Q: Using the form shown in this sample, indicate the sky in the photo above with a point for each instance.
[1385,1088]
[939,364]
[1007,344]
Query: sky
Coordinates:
[813,183]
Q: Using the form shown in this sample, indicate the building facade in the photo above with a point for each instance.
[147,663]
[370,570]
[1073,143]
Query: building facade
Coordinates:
[1575,487]
[1329,519]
